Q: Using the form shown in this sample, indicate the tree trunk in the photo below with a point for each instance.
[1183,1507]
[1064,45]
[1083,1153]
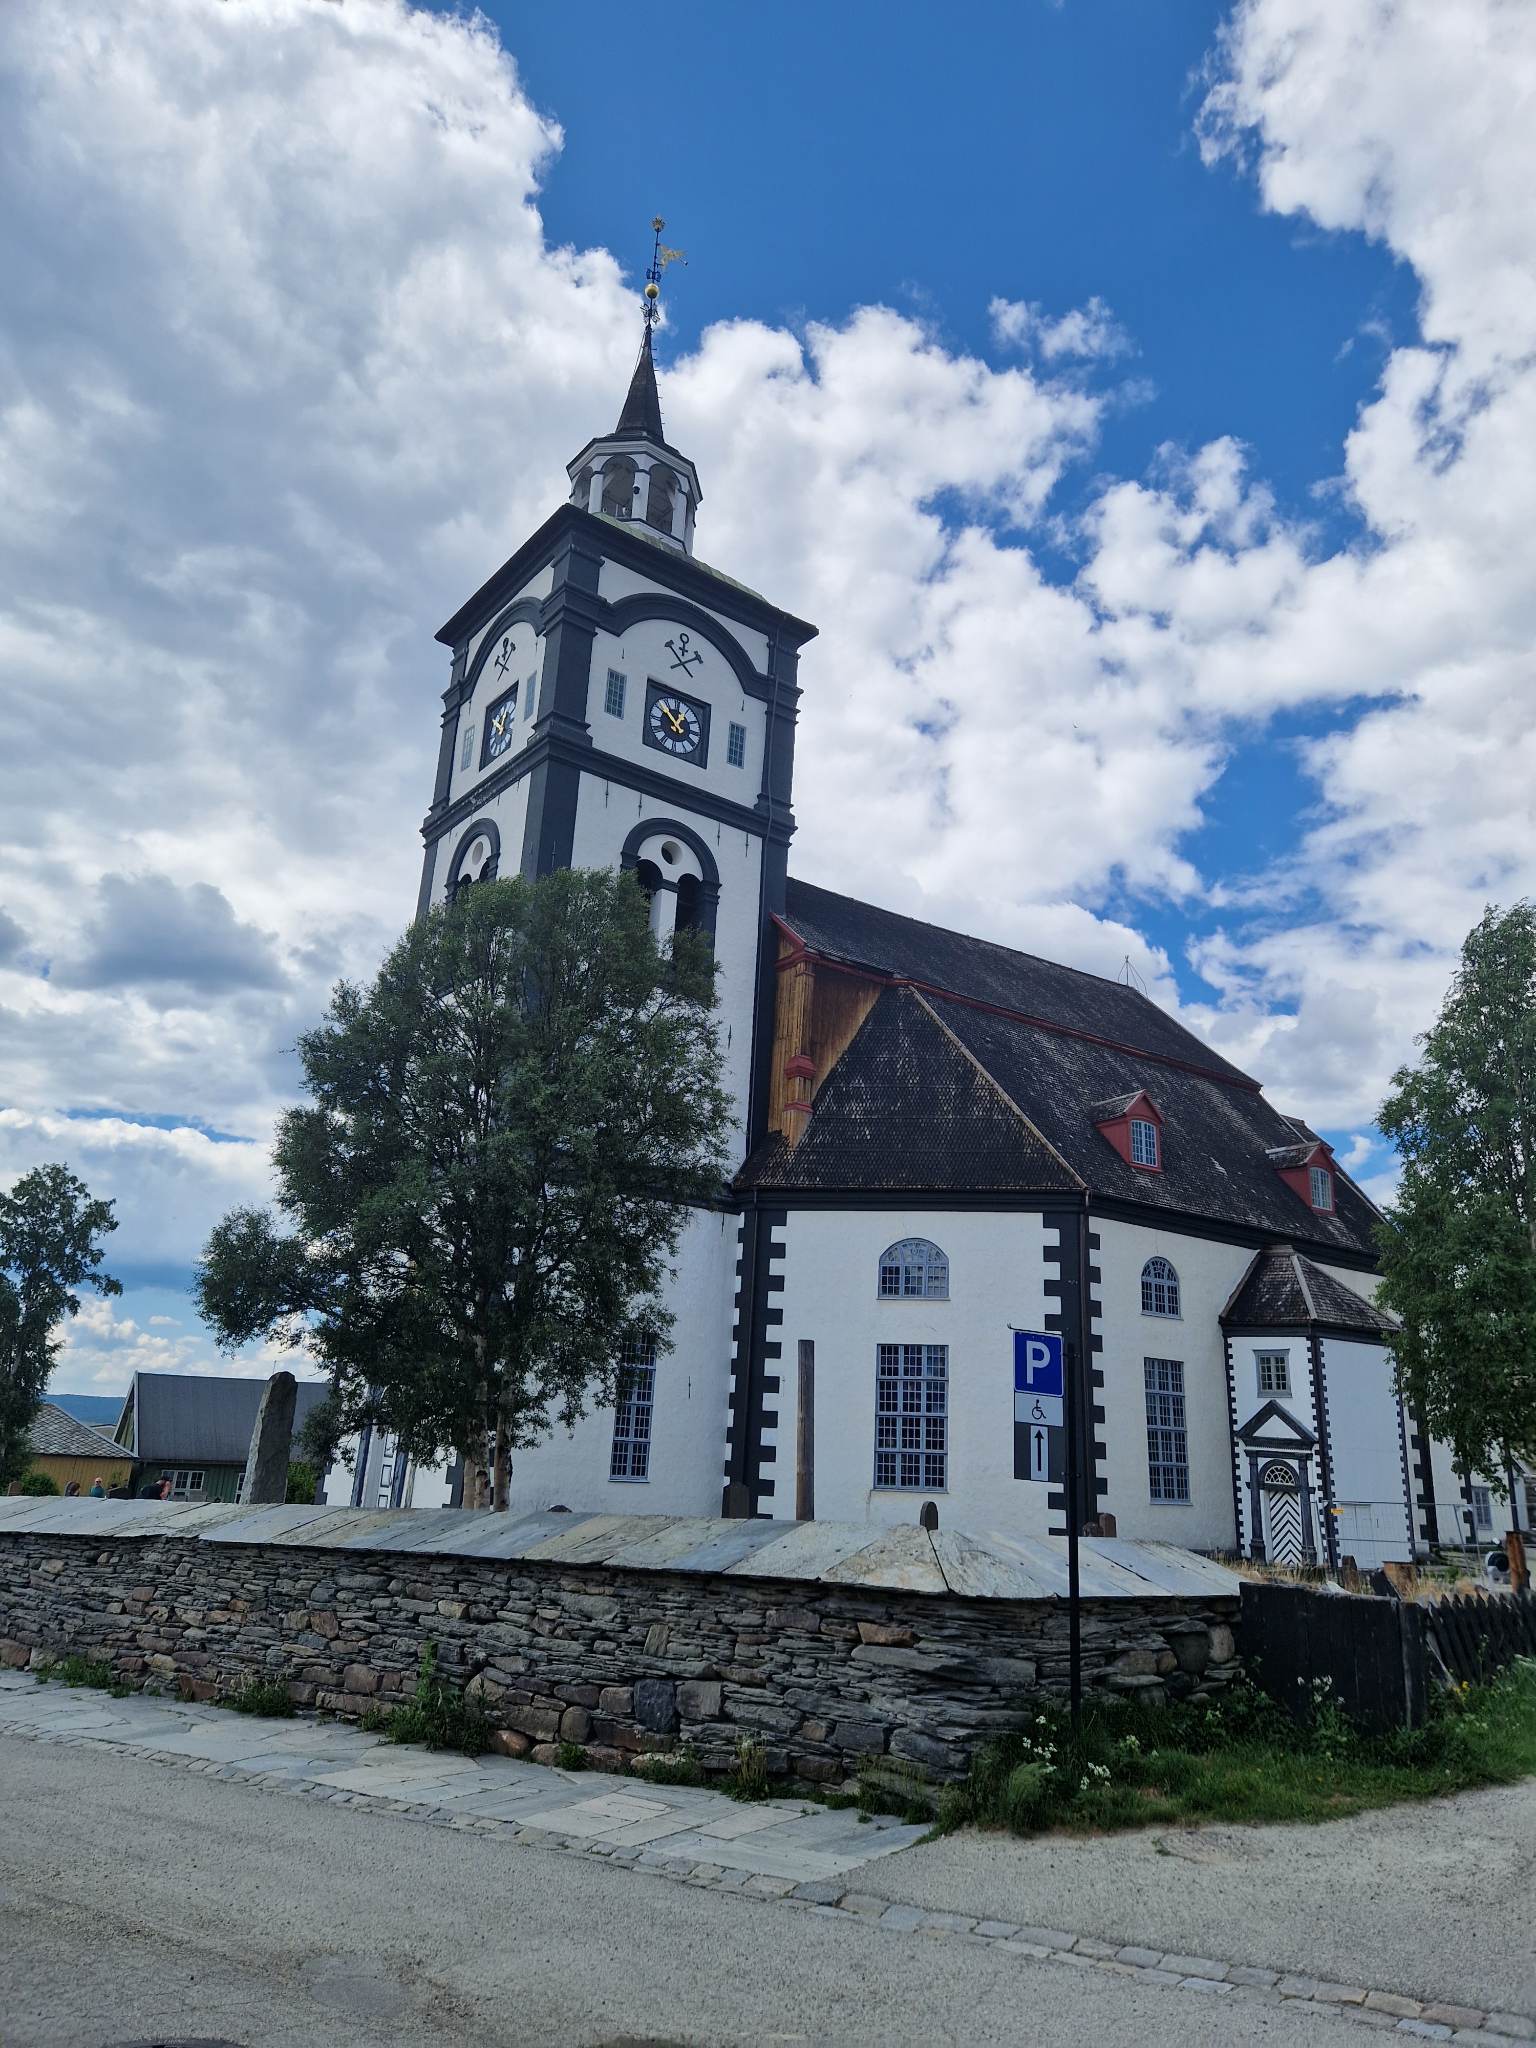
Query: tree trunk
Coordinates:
[503,1467]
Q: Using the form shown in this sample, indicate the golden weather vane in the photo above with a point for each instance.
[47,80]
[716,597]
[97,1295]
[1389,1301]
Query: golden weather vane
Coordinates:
[661,256]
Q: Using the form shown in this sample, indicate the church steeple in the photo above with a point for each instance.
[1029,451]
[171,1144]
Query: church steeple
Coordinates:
[634,474]
[642,402]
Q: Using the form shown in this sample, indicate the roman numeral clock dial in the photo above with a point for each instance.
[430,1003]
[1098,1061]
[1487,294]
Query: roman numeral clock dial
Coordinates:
[676,725]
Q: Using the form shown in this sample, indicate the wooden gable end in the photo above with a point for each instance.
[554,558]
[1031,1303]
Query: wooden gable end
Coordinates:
[818,1009]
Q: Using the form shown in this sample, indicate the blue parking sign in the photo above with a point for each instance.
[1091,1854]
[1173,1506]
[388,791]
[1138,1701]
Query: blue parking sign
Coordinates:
[1037,1367]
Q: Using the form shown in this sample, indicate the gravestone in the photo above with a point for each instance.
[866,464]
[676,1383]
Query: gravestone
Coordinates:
[266,1463]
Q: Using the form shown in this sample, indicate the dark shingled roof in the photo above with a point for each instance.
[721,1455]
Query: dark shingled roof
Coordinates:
[194,1419]
[905,1108]
[1062,1046]
[1282,1290]
[56,1434]
[842,929]
[642,402]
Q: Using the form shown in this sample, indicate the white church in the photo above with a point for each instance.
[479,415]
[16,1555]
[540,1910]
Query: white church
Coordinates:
[945,1141]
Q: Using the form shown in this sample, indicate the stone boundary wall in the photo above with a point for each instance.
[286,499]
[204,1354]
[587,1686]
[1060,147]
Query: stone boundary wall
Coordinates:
[826,1676]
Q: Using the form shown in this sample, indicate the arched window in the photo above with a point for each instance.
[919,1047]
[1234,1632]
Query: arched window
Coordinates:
[619,488]
[914,1270]
[1159,1289]
[660,498]
[581,487]
[477,859]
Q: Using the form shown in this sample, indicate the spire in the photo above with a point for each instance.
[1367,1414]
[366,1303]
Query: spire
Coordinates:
[633,474]
[642,405]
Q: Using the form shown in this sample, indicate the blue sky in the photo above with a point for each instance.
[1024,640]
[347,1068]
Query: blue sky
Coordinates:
[810,160]
[1139,399]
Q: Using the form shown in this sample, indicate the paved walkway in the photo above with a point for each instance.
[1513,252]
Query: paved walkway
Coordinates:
[803,1856]
[786,1840]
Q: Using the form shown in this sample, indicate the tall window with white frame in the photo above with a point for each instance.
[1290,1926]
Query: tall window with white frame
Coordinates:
[1167,1431]
[914,1269]
[911,1417]
[1159,1288]
[1143,1142]
[1274,1371]
[633,1411]
[1322,1188]
[1482,1509]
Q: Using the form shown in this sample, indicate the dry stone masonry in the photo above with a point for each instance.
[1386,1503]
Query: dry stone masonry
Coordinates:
[825,1675]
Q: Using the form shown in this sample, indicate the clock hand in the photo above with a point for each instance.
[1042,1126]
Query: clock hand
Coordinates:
[677,723]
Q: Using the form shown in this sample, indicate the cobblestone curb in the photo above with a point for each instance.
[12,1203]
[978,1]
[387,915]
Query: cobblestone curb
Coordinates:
[1418,2019]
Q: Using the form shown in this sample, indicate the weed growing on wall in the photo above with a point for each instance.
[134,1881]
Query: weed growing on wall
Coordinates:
[267,1696]
[437,1715]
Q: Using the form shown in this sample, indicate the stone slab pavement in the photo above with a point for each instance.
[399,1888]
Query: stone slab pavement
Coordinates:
[786,1839]
[1322,1919]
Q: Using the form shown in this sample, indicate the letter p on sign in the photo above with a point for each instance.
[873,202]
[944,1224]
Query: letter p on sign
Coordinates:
[1037,1362]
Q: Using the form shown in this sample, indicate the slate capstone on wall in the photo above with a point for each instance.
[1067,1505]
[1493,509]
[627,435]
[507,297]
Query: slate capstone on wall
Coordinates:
[621,1661]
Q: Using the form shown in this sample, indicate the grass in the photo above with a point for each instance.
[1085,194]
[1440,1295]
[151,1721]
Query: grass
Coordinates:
[1242,1760]
[269,1696]
[93,1672]
[437,1715]
[680,1766]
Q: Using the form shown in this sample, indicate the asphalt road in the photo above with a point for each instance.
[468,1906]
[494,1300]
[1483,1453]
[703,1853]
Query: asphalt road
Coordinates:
[1436,1901]
[140,1903]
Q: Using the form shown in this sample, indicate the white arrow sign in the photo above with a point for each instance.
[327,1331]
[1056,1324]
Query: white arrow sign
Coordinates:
[1039,1452]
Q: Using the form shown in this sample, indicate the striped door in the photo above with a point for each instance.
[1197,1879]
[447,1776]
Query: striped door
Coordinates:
[1282,1516]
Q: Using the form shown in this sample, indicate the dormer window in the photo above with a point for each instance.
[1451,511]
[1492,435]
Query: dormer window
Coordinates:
[1134,1126]
[1322,1187]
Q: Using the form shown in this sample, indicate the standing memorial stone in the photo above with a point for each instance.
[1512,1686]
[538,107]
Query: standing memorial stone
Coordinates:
[266,1463]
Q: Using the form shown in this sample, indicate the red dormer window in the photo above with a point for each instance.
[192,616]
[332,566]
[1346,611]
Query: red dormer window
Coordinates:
[1307,1170]
[1133,1126]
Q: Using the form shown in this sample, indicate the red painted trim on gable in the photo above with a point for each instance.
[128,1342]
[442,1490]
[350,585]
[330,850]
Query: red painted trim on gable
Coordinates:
[949,995]
[1298,1178]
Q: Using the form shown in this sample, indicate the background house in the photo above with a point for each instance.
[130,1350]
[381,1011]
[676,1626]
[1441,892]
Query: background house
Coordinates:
[67,1450]
[196,1430]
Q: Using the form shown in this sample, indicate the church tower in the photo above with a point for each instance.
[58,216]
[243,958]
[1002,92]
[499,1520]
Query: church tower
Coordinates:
[614,702]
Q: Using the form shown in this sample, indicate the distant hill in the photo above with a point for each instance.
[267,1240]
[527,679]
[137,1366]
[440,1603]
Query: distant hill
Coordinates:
[99,1410]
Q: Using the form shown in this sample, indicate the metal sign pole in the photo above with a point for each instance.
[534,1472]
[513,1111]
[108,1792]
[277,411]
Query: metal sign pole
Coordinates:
[1074,1527]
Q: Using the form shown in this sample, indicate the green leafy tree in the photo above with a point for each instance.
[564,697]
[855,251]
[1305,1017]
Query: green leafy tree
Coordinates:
[50,1246]
[1459,1246]
[481,1201]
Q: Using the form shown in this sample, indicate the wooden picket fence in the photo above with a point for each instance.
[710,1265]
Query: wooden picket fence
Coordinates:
[1477,1634]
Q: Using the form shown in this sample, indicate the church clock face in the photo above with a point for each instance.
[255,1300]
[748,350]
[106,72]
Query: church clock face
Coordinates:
[676,725]
[500,722]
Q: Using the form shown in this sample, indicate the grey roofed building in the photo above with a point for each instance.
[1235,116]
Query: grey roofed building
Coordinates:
[1064,1050]
[196,1426]
[57,1434]
[1282,1290]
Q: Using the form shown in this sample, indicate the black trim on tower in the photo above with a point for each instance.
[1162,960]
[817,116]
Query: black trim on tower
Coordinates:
[1424,1473]
[1236,1450]
[1071,1318]
[753,1350]
[1330,1529]
[554,782]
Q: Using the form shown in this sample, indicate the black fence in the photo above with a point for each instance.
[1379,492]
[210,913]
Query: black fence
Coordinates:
[1477,1635]
[1378,1657]
[1367,1651]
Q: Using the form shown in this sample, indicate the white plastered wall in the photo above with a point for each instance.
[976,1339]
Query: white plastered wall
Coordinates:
[997,1276]
[617,580]
[642,657]
[537,587]
[606,813]
[508,810]
[1365,1440]
[688,1422]
[1208,1273]
[524,653]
